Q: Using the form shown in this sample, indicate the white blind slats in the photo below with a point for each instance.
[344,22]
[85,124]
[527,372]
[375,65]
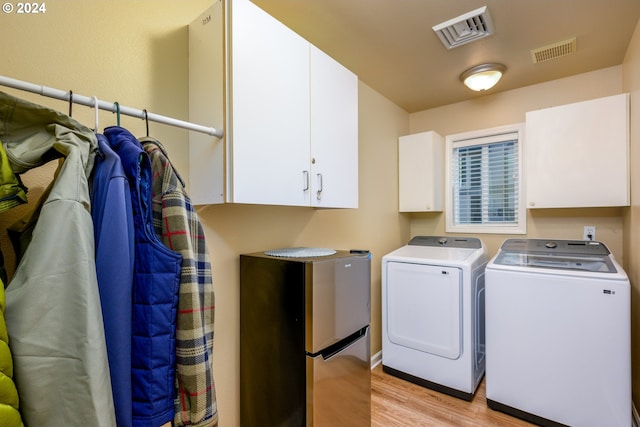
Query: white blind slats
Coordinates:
[485,180]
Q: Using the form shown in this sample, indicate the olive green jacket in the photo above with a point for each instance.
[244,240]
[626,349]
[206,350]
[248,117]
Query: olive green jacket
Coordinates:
[53,311]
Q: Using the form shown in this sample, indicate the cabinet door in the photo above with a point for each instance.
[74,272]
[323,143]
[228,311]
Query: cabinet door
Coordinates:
[206,106]
[577,154]
[334,133]
[420,160]
[268,147]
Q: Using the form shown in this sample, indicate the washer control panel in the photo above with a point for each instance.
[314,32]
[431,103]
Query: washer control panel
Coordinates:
[550,246]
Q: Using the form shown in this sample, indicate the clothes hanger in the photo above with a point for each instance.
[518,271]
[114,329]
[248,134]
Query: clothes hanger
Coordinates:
[70,103]
[146,119]
[95,101]
[96,106]
[117,104]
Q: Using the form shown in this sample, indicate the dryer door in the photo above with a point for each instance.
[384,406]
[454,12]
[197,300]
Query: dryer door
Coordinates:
[424,308]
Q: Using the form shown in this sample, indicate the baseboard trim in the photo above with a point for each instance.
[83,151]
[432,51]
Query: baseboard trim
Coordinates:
[636,417]
[376,359]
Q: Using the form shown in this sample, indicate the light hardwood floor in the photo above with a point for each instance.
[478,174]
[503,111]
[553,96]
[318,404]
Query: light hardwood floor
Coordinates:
[399,403]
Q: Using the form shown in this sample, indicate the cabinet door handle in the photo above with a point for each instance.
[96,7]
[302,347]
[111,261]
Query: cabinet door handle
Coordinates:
[319,195]
[305,180]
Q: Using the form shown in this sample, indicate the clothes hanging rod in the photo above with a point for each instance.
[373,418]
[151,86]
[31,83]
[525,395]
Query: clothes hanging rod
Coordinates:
[104,105]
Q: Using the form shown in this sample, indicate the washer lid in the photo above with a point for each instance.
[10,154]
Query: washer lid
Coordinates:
[584,263]
[556,254]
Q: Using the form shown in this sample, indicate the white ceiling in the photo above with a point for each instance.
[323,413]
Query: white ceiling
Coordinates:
[392,48]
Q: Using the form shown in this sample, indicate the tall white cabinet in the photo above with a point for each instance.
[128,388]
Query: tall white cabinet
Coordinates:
[577,155]
[291,114]
[420,172]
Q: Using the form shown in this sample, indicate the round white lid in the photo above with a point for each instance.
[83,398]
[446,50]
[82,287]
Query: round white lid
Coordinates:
[300,252]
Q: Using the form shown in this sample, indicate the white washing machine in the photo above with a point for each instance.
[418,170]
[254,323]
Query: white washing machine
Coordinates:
[558,334]
[433,313]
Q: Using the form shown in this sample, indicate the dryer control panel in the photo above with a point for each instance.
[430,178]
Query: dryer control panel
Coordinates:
[445,241]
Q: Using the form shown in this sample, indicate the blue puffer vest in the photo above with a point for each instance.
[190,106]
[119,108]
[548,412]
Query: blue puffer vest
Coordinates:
[155,293]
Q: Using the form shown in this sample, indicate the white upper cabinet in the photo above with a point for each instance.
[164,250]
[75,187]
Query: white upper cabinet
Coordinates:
[291,118]
[334,133]
[268,132]
[420,161]
[577,155]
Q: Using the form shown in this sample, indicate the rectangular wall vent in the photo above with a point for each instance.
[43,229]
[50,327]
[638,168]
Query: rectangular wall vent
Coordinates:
[553,51]
[465,28]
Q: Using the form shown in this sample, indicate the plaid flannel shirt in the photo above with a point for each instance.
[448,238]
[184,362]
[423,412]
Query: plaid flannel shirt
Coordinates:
[177,224]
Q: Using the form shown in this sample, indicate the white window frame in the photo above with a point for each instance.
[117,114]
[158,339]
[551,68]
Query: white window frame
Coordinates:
[479,137]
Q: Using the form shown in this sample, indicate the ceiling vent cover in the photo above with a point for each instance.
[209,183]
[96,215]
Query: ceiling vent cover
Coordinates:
[554,51]
[465,28]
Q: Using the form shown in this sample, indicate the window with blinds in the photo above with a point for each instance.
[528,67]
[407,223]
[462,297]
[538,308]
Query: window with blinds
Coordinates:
[484,178]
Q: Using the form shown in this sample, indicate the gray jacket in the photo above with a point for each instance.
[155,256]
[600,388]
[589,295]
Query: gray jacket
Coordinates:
[53,309]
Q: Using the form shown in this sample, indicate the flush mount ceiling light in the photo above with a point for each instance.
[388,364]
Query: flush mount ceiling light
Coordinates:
[483,76]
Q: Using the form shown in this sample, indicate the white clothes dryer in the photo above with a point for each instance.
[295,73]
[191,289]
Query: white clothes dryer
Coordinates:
[433,313]
[559,334]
